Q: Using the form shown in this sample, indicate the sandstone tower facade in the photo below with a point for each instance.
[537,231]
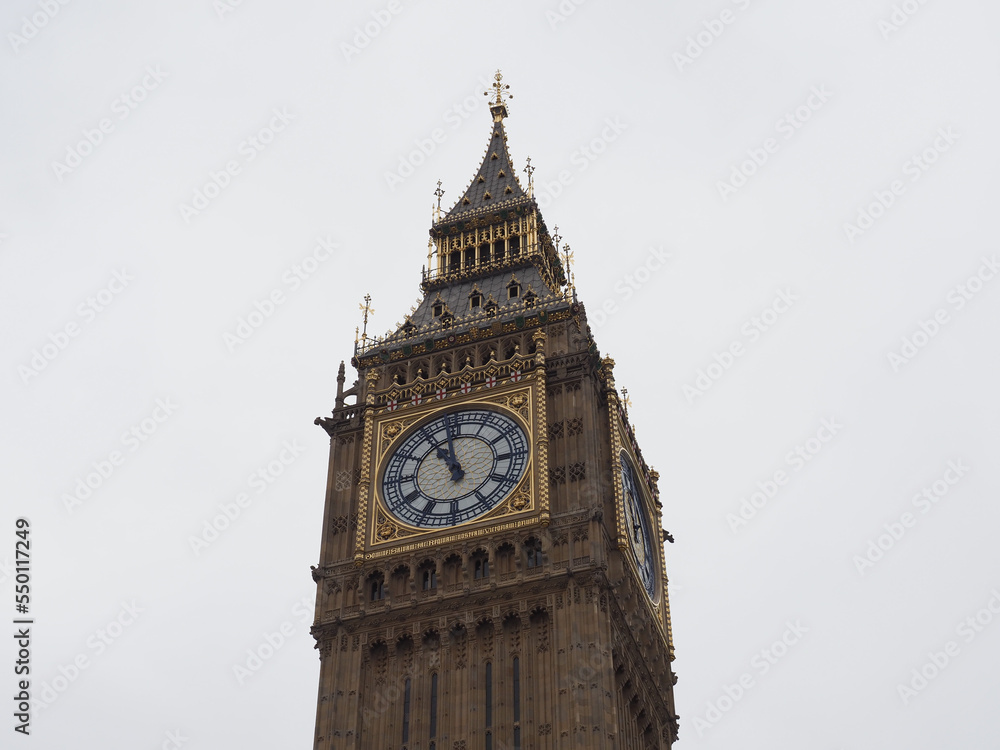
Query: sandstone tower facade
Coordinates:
[491,571]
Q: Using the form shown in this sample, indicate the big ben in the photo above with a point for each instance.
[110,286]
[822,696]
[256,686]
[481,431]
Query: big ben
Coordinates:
[491,571]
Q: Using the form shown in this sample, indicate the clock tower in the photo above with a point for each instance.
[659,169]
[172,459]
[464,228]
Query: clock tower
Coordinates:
[491,572]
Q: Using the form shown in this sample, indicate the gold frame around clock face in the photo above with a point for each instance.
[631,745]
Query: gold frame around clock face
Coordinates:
[453,466]
[385,531]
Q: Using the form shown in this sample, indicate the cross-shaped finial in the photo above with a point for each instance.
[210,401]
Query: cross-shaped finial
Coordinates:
[500,89]
[439,192]
[367,309]
[529,170]
[626,401]
[556,238]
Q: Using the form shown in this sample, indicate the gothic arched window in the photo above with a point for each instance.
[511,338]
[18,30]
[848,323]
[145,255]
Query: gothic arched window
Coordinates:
[533,553]
[428,575]
[480,565]
[376,587]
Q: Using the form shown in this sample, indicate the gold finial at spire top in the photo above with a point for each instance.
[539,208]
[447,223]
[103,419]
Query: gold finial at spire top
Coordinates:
[501,94]
[500,88]
[367,309]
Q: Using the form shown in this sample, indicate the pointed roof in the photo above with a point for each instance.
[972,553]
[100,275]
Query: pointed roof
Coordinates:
[495,184]
[449,311]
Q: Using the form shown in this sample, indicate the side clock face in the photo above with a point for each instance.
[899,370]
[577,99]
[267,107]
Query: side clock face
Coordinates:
[454,467]
[638,529]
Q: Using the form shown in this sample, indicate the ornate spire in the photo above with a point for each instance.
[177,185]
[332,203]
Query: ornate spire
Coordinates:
[495,184]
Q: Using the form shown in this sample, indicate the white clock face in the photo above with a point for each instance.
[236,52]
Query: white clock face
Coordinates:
[454,467]
[638,529]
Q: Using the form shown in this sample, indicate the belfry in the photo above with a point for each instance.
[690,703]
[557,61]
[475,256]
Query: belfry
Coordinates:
[491,571]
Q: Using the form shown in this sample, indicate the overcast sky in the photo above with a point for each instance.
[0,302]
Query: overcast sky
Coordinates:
[783,218]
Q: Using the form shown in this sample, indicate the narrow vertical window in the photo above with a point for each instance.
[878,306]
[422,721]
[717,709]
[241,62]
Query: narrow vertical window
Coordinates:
[517,703]
[489,706]
[429,578]
[434,705]
[406,711]
[533,553]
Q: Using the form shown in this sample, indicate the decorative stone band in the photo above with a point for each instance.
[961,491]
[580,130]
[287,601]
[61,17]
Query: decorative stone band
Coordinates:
[447,385]
[378,352]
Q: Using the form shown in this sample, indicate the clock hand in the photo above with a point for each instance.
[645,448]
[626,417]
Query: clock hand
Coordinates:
[452,462]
